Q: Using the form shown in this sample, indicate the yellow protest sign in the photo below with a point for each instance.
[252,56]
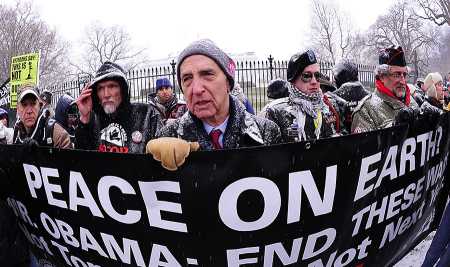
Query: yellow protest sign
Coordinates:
[24,70]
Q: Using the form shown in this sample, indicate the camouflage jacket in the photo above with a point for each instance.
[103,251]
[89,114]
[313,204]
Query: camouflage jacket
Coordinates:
[377,111]
[283,114]
[243,129]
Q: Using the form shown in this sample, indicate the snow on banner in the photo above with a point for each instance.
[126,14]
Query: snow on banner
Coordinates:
[360,200]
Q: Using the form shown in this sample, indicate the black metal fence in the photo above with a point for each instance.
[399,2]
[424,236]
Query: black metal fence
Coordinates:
[253,76]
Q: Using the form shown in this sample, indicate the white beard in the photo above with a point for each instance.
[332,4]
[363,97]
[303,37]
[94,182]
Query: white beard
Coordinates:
[109,108]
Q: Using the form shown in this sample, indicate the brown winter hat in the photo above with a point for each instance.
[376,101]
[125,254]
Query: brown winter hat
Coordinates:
[392,56]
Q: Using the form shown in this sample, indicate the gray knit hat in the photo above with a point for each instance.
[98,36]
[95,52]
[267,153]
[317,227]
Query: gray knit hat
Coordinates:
[207,48]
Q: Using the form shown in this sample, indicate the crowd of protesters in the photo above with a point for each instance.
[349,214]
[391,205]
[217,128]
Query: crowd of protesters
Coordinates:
[215,114]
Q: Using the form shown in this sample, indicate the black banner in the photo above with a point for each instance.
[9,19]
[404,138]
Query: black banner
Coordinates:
[358,200]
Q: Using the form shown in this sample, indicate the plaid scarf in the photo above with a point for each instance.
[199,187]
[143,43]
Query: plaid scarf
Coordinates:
[303,104]
[309,104]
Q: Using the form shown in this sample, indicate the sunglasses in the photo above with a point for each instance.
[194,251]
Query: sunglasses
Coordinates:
[307,76]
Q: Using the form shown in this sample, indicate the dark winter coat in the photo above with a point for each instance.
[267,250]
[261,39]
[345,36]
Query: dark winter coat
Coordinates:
[419,96]
[434,102]
[126,131]
[282,112]
[64,103]
[172,110]
[243,129]
[46,132]
[353,93]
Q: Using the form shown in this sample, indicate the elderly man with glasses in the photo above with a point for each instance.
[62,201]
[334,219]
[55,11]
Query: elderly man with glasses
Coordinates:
[391,102]
[306,114]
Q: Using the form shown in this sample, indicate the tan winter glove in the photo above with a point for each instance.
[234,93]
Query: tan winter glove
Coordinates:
[171,151]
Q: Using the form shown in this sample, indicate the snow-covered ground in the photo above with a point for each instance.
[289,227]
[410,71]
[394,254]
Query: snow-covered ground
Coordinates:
[417,255]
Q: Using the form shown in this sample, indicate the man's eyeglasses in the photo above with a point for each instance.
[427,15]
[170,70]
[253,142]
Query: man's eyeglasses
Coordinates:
[307,76]
[398,75]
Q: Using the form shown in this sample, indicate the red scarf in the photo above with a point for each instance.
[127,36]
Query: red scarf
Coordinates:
[380,86]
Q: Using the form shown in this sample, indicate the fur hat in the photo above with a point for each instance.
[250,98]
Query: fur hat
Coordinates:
[392,56]
[430,83]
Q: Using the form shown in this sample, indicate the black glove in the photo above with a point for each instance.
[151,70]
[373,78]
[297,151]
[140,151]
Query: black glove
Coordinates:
[430,113]
[30,144]
[405,115]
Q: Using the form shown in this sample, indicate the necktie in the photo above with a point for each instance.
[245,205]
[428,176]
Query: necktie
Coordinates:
[215,134]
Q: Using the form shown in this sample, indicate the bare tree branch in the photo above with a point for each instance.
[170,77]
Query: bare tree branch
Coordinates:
[108,44]
[437,11]
[401,26]
[22,31]
[332,34]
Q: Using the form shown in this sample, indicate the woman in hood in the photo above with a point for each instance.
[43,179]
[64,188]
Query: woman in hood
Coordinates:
[434,87]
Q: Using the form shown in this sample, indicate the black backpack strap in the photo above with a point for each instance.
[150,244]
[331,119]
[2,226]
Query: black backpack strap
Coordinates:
[48,132]
[15,136]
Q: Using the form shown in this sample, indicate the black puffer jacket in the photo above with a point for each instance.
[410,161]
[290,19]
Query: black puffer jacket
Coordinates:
[243,129]
[433,102]
[125,131]
[353,93]
[419,96]
[62,107]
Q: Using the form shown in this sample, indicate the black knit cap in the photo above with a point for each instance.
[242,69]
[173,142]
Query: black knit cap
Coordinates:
[392,56]
[278,88]
[345,71]
[298,63]
[46,96]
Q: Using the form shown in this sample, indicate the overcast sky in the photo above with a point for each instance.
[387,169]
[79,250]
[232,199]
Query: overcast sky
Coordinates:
[165,27]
